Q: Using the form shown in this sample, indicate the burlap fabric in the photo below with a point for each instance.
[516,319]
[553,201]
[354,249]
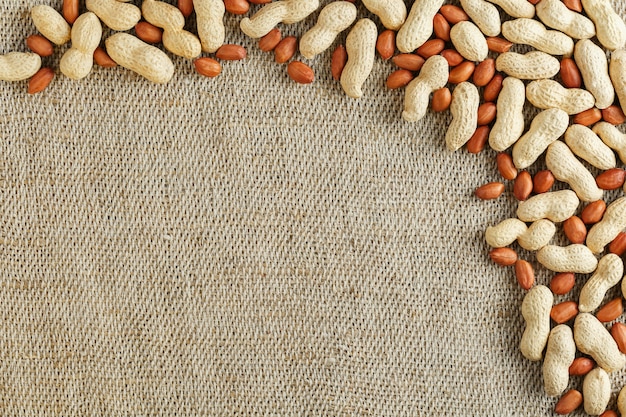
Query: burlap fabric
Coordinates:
[247,246]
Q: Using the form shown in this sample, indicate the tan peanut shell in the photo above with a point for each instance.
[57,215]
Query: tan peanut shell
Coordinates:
[556,206]
[536,312]
[555,14]
[433,76]
[505,233]
[509,124]
[617,73]
[621,401]
[285,11]
[547,94]
[469,41]
[136,55]
[533,65]
[567,168]
[534,33]
[334,18]
[560,354]
[464,109]
[418,25]
[594,68]
[18,66]
[538,235]
[610,28]
[596,391]
[116,14]
[77,62]
[607,229]
[171,20]
[593,339]
[516,8]
[392,13]
[546,127]
[361,48]
[484,14]
[608,273]
[51,24]
[612,137]
[210,23]
[584,143]
[573,258]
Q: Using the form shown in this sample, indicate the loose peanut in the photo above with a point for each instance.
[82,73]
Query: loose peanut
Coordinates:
[186,7]
[285,11]
[385,44]
[102,58]
[572,258]
[523,186]
[409,62]
[593,339]
[617,73]
[361,48]
[430,48]
[40,45]
[478,140]
[555,14]
[575,229]
[608,273]
[300,72]
[618,245]
[614,115]
[587,145]
[503,256]
[77,62]
[516,8]
[591,61]
[618,331]
[462,72]
[441,27]
[562,283]
[560,354]
[418,25]
[237,6]
[230,52]
[596,391]
[543,181]
[116,14]
[536,312]
[210,23]
[453,14]
[338,62]
[588,117]
[485,15]
[581,366]
[610,28]
[51,24]
[332,20]
[533,33]
[489,191]
[546,94]
[441,100]
[136,55]
[484,73]
[71,10]
[268,42]
[509,124]
[593,212]
[433,76]
[505,233]
[149,33]
[286,49]
[569,402]
[492,90]
[399,78]
[486,114]
[171,20]
[567,168]
[41,80]
[499,45]
[533,65]
[506,168]
[538,235]
[612,137]
[525,274]
[469,41]
[208,67]
[392,13]
[545,128]
[464,109]
[570,75]
[613,222]
[564,312]
[556,206]
[611,310]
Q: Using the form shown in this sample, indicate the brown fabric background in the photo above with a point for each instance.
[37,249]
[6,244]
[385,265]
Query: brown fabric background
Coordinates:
[247,246]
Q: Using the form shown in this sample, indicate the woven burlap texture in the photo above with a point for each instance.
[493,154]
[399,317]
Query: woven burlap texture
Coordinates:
[247,246]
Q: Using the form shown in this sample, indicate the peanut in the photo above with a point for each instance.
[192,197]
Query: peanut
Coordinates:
[618,245]
[210,23]
[611,179]
[593,339]
[116,14]
[613,222]
[77,62]
[503,256]
[392,13]
[509,124]
[555,14]
[575,230]
[581,366]
[136,55]
[611,310]
[71,10]
[409,62]
[484,73]
[499,45]
[545,128]
[572,258]
[237,6]
[522,186]
[51,24]
[231,52]
[570,75]
[608,273]
[385,44]
[430,48]
[441,27]
[300,72]
[286,49]
[433,76]
[486,113]
[186,7]
[588,146]
[464,109]
[268,42]
[534,33]
[485,15]
[538,235]
[506,168]
[533,65]
[171,20]
[564,312]
[591,61]
[462,72]
[613,114]
[400,78]
[560,354]
[621,402]
[149,33]
[100,57]
[617,73]
[596,391]
[441,99]
[569,402]
[477,142]
[489,191]
[543,181]
[612,137]
[556,206]
[593,212]
[208,67]
[338,62]
[610,28]
[41,80]
[361,48]
[516,8]
[453,14]
[332,20]
[40,45]
[618,331]
[418,25]
[505,233]
[525,274]
[285,11]
[546,94]
[536,312]
[562,283]
[469,41]
[567,168]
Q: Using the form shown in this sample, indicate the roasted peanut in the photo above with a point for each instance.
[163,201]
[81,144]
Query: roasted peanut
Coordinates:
[610,28]
[171,20]
[613,222]
[555,14]
[538,235]
[509,124]
[587,145]
[332,20]
[596,391]
[77,62]
[612,137]
[546,94]
[285,11]
[591,60]
[545,129]
[533,65]
[556,206]
[485,15]
[418,25]
[116,14]
[51,24]
[608,273]
[593,339]
[533,33]
[560,354]
[433,76]
[464,109]
[136,55]
[361,48]
[469,41]
[392,13]
[567,168]
[210,23]
[536,312]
